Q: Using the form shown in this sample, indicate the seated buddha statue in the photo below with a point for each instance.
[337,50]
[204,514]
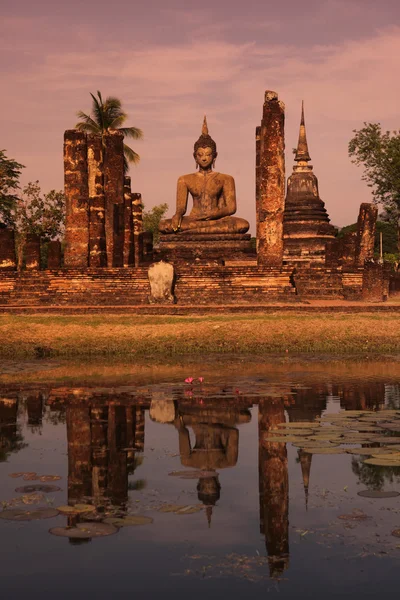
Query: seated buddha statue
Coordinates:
[213,193]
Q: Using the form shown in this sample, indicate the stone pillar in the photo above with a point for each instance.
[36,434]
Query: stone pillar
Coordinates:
[97,217]
[79,452]
[32,251]
[366,226]
[271,182]
[375,285]
[8,258]
[76,253]
[128,224]
[137,219]
[114,195]
[54,255]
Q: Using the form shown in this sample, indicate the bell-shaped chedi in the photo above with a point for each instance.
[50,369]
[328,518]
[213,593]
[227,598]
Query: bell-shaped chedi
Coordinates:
[306,226]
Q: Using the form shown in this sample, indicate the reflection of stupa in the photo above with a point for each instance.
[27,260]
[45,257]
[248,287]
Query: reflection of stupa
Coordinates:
[305,459]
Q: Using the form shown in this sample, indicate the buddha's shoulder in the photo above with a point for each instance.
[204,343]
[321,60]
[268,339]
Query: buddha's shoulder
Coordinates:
[188,177]
[225,177]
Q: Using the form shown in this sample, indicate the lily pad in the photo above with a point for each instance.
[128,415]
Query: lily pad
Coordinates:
[369,451]
[76,509]
[382,462]
[37,487]
[396,532]
[30,477]
[297,425]
[15,475]
[325,450]
[86,530]
[356,515]
[180,509]
[387,440]
[20,514]
[129,521]
[377,494]
[50,477]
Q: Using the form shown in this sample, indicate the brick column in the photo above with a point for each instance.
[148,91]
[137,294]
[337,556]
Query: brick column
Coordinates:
[128,224]
[8,258]
[137,218]
[32,251]
[366,226]
[258,145]
[375,285]
[76,253]
[54,255]
[271,183]
[97,219]
[114,195]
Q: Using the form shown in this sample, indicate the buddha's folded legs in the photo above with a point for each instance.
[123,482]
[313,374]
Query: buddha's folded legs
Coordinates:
[224,225]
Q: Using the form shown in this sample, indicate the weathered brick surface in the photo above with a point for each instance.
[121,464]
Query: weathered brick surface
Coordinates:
[137,218]
[76,253]
[270,182]
[8,259]
[366,226]
[97,207]
[54,255]
[32,251]
[375,285]
[114,196]
[195,285]
[128,224]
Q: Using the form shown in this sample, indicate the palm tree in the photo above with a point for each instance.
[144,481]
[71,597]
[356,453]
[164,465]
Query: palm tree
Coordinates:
[107,116]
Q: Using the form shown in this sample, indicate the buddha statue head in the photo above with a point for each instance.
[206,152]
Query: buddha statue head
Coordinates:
[205,149]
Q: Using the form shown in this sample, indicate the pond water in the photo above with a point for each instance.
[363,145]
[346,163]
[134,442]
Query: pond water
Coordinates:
[192,485]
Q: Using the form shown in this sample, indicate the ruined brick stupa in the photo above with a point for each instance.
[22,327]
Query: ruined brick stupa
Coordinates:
[306,224]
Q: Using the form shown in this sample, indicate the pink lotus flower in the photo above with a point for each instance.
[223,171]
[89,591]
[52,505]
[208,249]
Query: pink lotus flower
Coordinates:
[188,379]
[201,379]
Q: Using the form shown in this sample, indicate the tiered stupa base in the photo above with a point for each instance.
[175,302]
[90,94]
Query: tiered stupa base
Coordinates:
[218,247]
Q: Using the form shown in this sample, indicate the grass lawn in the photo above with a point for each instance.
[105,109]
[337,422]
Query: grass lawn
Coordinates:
[367,334]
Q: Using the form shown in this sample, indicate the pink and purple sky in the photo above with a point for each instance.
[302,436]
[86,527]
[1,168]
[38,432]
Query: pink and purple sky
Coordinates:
[173,61]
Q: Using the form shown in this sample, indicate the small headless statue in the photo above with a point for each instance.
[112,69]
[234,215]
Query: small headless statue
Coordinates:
[213,193]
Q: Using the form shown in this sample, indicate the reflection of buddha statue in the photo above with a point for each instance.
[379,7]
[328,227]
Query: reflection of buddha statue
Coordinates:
[213,193]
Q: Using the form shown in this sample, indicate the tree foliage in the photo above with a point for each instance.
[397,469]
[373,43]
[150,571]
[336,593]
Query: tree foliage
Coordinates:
[42,214]
[10,172]
[107,115]
[378,153]
[152,218]
[389,236]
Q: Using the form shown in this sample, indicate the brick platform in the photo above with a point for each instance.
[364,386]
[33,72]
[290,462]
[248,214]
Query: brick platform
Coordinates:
[195,285]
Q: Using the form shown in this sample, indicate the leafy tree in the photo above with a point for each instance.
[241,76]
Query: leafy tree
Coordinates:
[42,214]
[152,218]
[10,172]
[378,153]
[107,115]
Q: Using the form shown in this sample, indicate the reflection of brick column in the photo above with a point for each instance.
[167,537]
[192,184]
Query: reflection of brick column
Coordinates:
[34,407]
[8,259]
[79,453]
[54,255]
[139,429]
[99,429]
[32,251]
[137,218]
[271,183]
[114,194]
[77,199]
[273,486]
[128,224]
[366,226]
[117,465]
[97,232]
